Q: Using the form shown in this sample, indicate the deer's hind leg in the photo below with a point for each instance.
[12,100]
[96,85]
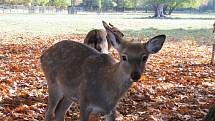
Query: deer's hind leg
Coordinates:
[62,108]
[55,95]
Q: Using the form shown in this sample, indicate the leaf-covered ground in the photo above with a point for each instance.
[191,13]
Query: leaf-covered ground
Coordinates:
[178,84]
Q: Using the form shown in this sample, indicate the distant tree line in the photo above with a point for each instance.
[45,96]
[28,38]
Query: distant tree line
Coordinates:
[160,7]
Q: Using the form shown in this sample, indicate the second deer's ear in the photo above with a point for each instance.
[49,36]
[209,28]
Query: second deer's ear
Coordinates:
[112,37]
[117,31]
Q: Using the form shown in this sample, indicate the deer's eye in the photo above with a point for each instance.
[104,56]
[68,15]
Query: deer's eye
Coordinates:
[124,58]
[99,49]
[144,58]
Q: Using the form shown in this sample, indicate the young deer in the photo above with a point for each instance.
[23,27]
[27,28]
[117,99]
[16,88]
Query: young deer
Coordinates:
[97,39]
[76,72]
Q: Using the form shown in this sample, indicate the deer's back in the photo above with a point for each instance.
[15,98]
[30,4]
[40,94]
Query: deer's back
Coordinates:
[68,63]
[64,59]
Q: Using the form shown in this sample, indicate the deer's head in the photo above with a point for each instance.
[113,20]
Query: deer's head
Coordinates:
[133,56]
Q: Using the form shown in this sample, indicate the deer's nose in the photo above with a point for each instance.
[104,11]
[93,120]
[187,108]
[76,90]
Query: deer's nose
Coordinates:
[135,75]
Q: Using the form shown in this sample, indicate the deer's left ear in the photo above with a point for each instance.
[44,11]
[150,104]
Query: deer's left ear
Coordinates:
[114,39]
[155,44]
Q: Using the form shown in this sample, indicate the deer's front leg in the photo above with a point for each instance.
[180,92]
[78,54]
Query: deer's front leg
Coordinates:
[84,111]
[111,116]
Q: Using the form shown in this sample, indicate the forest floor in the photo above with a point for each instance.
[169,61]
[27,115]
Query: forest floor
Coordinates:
[178,84]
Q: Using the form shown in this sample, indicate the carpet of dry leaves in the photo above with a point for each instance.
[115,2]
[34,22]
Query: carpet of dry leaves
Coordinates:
[178,85]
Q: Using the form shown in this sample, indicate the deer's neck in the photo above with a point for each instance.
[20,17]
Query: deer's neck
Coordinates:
[122,80]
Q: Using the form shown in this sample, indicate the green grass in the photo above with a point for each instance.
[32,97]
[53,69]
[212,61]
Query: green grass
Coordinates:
[180,26]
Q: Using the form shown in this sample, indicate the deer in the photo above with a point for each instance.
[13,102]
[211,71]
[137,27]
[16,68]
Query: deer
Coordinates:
[76,72]
[213,46]
[97,38]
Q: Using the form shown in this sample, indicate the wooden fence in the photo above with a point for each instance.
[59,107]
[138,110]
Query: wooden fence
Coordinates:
[32,9]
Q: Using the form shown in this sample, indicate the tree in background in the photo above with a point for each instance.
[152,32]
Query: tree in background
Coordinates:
[172,5]
[159,6]
[90,5]
[109,4]
[40,2]
[51,2]
[57,3]
[62,3]
[99,6]
[131,4]
[120,5]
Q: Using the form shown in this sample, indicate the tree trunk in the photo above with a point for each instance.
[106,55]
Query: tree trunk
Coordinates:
[99,10]
[99,7]
[117,7]
[165,9]
[158,9]
[211,115]
[213,5]
[171,9]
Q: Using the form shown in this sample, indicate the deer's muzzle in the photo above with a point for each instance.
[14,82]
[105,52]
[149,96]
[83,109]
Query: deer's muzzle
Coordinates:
[135,75]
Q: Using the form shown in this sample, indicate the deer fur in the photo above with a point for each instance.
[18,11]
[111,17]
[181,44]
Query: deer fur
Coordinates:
[77,72]
[97,38]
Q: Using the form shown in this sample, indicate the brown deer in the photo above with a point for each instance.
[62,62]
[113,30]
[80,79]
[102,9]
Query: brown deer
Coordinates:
[97,39]
[77,72]
[213,46]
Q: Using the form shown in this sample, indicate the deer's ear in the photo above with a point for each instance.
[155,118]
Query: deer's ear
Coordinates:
[117,31]
[155,44]
[112,37]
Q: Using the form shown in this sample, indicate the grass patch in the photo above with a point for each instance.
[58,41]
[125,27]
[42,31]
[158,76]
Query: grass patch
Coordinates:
[181,26]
